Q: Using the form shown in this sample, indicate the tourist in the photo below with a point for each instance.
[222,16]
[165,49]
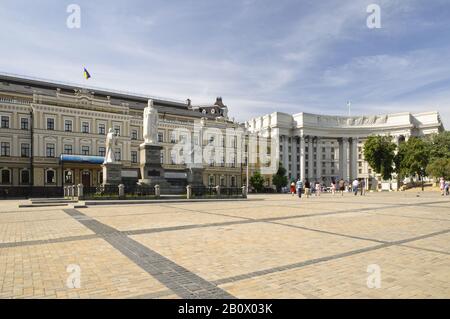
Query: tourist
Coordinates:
[342,186]
[292,188]
[355,185]
[307,188]
[299,187]
[318,188]
[363,186]
[447,186]
[333,187]
[442,185]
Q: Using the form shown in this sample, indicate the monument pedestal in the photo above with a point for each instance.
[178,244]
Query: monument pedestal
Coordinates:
[152,172]
[112,173]
[195,175]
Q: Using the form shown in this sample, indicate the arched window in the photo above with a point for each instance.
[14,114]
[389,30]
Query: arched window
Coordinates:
[6,176]
[68,177]
[211,180]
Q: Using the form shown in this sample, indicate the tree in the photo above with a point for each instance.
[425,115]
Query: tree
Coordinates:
[416,156]
[280,179]
[379,152]
[440,145]
[257,181]
[439,167]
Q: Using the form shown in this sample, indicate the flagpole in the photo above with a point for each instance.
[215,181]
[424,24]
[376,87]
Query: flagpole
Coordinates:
[349,104]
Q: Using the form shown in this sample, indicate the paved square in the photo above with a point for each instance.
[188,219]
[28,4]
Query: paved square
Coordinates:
[272,246]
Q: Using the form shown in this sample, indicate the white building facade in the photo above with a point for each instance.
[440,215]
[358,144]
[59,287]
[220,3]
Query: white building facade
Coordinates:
[325,148]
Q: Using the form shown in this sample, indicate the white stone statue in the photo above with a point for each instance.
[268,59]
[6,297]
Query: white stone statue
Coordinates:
[111,141]
[150,124]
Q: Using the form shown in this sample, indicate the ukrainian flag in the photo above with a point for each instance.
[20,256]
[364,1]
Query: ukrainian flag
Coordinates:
[86,74]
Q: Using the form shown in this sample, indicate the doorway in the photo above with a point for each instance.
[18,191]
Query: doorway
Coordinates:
[86,178]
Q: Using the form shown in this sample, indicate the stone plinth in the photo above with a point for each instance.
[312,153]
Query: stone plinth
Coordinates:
[195,175]
[112,173]
[152,172]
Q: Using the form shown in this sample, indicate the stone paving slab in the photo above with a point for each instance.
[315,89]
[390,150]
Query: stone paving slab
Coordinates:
[40,271]
[405,273]
[220,252]
[277,246]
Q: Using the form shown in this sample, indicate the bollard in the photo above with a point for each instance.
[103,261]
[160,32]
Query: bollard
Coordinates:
[244,191]
[157,191]
[66,192]
[189,192]
[80,191]
[121,191]
[218,190]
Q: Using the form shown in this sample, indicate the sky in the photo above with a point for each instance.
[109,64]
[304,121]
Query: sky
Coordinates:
[261,56]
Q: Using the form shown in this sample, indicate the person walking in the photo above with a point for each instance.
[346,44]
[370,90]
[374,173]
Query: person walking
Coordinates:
[355,185]
[318,188]
[342,186]
[292,188]
[333,187]
[307,188]
[363,186]
[299,187]
[447,188]
[442,185]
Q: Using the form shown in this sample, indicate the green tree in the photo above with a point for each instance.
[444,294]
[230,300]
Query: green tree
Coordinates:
[440,145]
[379,152]
[439,167]
[257,181]
[280,179]
[416,156]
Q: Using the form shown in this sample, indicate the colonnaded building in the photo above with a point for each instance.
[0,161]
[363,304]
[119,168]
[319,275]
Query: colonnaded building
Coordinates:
[325,148]
[53,134]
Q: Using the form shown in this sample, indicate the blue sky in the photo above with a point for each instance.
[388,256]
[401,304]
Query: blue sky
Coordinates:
[259,55]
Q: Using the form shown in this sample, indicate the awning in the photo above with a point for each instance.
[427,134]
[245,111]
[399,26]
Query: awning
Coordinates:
[82,159]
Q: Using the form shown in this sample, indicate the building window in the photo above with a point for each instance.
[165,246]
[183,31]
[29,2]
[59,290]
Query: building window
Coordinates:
[134,135]
[68,149]
[50,150]
[360,171]
[5,149]
[5,121]
[6,176]
[211,181]
[173,137]
[233,181]
[68,125]
[68,177]
[117,155]
[222,180]
[24,177]
[25,150]
[50,124]
[101,151]
[84,150]
[134,157]
[117,130]
[85,127]
[160,137]
[24,124]
[101,129]
[50,177]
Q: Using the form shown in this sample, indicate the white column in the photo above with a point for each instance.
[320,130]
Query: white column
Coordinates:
[319,158]
[354,158]
[310,158]
[294,157]
[302,158]
[343,158]
[285,154]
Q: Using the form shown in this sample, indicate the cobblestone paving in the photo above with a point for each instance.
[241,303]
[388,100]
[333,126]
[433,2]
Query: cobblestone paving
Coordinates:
[277,246]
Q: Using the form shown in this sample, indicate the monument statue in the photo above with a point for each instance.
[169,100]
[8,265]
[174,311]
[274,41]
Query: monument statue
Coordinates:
[150,124]
[111,141]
